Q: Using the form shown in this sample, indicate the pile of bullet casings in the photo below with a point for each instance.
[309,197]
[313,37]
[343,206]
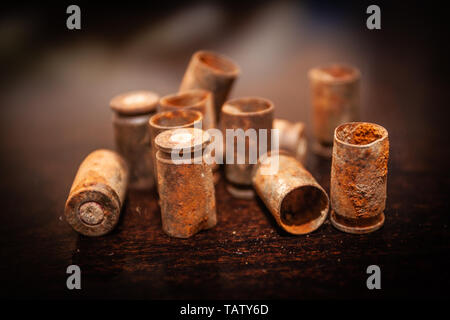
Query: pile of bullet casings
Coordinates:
[149,130]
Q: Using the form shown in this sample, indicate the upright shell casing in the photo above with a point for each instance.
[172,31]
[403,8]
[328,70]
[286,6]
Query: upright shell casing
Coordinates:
[359,177]
[132,111]
[97,194]
[194,99]
[186,189]
[292,138]
[211,71]
[246,114]
[168,120]
[335,99]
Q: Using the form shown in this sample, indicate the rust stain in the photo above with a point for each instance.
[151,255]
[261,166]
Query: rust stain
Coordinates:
[334,100]
[187,193]
[295,199]
[245,113]
[132,111]
[211,71]
[358,177]
[97,195]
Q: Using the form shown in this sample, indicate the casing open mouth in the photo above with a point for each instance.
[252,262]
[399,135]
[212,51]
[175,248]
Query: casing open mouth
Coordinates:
[189,98]
[218,63]
[175,119]
[360,133]
[248,106]
[304,209]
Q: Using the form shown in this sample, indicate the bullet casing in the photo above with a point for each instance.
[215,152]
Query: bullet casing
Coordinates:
[168,120]
[211,71]
[245,113]
[292,138]
[335,99]
[132,111]
[187,195]
[359,177]
[97,194]
[295,199]
[194,99]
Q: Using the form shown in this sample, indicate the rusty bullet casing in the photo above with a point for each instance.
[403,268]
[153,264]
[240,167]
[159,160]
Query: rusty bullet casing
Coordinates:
[195,99]
[335,99]
[168,120]
[245,113]
[359,177]
[132,111]
[97,193]
[292,138]
[295,199]
[186,190]
[211,71]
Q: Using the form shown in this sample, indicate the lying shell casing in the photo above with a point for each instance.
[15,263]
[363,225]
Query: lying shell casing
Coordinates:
[131,113]
[245,113]
[195,99]
[168,120]
[97,193]
[292,138]
[335,99]
[295,199]
[211,71]
[187,195]
[359,177]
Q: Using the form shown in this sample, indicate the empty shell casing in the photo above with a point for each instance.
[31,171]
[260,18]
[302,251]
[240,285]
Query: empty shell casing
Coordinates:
[253,114]
[295,199]
[292,138]
[132,111]
[97,193]
[195,99]
[335,99]
[186,189]
[168,120]
[359,177]
[211,71]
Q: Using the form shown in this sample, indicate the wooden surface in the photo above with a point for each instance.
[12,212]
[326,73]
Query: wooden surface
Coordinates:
[54,112]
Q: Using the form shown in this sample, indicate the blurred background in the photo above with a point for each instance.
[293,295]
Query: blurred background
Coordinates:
[59,80]
[55,83]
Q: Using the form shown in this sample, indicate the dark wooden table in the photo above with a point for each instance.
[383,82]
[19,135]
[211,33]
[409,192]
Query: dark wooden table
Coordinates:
[54,111]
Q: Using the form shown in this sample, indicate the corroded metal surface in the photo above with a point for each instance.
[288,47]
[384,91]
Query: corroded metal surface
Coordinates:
[97,193]
[245,113]
[168,120]
[194,99]
[187,195]
[292,138]
[335,100]
[130,120]
[211,71]
[295,199]
[359,177]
